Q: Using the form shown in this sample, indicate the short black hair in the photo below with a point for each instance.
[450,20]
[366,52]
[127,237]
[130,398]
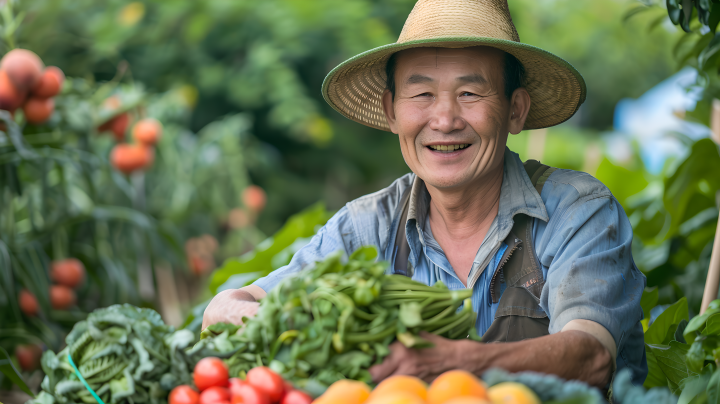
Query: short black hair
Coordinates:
[514,74]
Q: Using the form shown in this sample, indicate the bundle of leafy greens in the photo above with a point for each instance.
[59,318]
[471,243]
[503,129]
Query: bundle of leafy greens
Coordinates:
[336,320]
[125,354]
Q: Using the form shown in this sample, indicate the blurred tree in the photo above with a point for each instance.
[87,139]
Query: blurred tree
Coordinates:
[268,58]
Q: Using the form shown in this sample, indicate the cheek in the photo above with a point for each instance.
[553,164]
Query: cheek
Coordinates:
[411,114]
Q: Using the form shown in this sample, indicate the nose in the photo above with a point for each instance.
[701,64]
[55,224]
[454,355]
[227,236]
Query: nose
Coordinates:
[445,114]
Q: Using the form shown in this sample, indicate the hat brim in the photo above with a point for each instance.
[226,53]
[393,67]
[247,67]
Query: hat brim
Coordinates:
[355,87]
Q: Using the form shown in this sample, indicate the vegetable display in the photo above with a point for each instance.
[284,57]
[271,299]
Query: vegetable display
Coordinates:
[336,320]
[125,354]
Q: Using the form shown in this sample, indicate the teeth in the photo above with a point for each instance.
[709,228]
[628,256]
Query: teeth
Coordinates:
[449,148]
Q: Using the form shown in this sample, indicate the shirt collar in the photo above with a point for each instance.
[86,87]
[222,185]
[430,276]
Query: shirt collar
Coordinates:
[517,195]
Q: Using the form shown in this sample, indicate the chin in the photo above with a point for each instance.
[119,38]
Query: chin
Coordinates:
[449,181]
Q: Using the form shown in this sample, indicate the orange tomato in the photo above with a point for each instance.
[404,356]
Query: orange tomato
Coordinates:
[455,383]
[345,392]
[38,110]
[254,198]
[28,356]
[10,97]
[401,383]
[50,83]
[147,131]
[28,303]
[23,67]
[69,272]
[128,158]
[61,297]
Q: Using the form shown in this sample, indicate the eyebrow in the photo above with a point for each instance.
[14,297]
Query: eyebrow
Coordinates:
[418,79]
[473,78]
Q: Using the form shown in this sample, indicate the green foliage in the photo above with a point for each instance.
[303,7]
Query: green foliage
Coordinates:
[274,252]
[7,367]
[125,355]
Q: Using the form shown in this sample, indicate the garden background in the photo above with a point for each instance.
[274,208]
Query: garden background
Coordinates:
[236,85]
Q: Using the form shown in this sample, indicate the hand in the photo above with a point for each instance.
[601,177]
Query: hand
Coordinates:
[230,306]
[427,364]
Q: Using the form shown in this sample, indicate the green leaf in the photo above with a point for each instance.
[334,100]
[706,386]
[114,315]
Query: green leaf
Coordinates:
[666,323]
[303,224]
[411,314]
[694,386]
[713,388]
[9,370]
[366,253]
[697,324]
[671,361]
[648,300]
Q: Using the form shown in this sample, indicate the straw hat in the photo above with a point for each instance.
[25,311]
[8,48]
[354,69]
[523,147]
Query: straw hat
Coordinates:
[355,87]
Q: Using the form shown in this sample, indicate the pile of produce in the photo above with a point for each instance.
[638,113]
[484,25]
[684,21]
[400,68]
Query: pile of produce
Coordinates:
[125,355]
[215,386]
[26,83]
[336,320]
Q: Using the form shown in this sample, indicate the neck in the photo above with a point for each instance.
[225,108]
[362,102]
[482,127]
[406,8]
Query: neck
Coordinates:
[461,212]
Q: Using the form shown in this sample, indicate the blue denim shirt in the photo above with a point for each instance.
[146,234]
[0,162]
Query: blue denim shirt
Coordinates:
[581,235]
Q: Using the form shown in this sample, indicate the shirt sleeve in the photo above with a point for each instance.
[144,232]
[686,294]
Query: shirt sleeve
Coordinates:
[337,234]
[590,271]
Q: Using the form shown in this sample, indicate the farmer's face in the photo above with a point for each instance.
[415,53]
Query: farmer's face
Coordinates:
[451,114]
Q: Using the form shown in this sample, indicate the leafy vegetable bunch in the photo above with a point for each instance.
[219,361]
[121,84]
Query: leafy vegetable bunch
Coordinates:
[684,355]
[335,320]
[125,354]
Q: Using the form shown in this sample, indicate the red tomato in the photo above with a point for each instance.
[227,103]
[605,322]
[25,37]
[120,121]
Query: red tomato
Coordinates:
[267,381]
[296,397]
[28,356]
[183,395]
[246,393]
[210,372]
[215,394]
[233,383]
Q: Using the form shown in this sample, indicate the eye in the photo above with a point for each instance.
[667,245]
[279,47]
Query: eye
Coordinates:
[423,95]
[468,94]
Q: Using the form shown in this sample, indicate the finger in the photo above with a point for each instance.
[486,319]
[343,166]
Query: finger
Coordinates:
[389,365]
[432,337]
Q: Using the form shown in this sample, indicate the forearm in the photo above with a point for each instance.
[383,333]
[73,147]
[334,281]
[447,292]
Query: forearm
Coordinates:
[569,355]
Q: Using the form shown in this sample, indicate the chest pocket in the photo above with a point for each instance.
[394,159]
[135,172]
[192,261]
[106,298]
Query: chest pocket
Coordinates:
[519,315]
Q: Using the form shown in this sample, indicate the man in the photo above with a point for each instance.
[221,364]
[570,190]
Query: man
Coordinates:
[546,251]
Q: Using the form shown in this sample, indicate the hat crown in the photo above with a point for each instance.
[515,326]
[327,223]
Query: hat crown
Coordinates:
[431,19]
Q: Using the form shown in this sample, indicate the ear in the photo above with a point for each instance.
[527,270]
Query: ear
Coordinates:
[389,109]
[519,109]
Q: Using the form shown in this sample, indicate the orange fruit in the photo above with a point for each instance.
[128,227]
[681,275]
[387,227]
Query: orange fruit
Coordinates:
[401,383]
[28,356]
[345,392]
[61,297]
[468,400]
[254,198]
[512,393]
[23,67]
[50,83]
[455,383]
[10,97]
[28,303]
[38,110]
[69,272]
[118,126]
[147,131]
[395,397]
[128,158]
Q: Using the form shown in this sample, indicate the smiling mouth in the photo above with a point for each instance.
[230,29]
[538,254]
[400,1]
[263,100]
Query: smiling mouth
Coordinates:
[448,148]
